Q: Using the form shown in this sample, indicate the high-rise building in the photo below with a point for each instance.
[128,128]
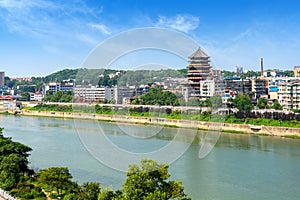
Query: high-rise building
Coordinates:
[199,69]
[2,78]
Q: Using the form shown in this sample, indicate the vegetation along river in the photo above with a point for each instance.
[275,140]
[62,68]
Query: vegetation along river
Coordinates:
[239,166]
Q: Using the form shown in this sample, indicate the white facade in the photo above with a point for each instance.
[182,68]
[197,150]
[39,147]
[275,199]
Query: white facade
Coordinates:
[55,87]
[207,88]
[36,96]
[289,95]
[93,93]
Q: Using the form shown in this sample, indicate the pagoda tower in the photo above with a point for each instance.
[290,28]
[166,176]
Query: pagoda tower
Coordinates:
[199,69]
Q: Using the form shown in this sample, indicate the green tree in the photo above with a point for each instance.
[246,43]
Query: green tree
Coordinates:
[216,101]
[262,103]
[242,102]
[10,172]
[156,96]
[89,191]
[8,147]
[56,179]
[276,105]
[25,96]
[150,181]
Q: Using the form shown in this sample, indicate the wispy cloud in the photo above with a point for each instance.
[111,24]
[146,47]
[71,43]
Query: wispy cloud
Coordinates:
[100,27]
[52,20]
[181,22]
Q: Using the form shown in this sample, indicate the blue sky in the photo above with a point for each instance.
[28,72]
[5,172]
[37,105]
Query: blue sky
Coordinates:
[39,37]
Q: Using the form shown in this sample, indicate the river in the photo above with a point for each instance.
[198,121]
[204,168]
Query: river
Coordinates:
[238,167]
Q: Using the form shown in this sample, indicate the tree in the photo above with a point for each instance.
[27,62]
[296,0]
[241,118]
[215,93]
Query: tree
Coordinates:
[156,96]
[216,101]
[276,105]
[55,178]
[150,181]
[10,172]
[242,102]
[262,103]
[25,96]
[8,147]
[89,191]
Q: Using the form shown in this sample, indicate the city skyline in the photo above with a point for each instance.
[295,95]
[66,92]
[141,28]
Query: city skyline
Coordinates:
[39,37]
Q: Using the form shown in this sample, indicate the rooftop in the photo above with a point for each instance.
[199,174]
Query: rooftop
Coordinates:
[199,54]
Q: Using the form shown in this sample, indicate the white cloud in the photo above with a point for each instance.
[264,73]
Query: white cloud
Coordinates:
[87,39]
[52,21]
[101,27]
[184,23]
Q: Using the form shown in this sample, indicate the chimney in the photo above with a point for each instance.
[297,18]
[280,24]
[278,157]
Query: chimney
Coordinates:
[261,67]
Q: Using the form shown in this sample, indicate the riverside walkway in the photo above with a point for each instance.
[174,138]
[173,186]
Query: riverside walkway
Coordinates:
[5,196]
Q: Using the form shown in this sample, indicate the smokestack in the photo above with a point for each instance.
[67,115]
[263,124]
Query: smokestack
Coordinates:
[261,67]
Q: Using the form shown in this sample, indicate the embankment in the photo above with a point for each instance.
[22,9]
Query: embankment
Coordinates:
[236,128]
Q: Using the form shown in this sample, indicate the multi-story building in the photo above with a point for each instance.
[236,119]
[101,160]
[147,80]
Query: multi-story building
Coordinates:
[122,93]
[238,70]
[259,87]
[199,69]
[207,88]
[56,86]
[93,93]
[289,95]
[243,86]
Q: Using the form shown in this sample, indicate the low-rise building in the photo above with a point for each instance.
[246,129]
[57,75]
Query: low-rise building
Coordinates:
[36,96]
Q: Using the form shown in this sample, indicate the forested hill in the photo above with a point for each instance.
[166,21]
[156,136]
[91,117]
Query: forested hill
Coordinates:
[101,76]
[61,75]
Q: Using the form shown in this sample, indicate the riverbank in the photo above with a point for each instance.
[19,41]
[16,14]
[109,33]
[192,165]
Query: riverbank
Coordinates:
[178,123]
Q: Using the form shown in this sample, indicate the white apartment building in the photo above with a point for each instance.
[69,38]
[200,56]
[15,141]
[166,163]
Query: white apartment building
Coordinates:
[289,95]
[207,88]
[56,86]
[93,93]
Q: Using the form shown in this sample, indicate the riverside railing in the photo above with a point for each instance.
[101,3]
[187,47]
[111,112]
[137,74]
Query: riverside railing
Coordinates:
[6,196]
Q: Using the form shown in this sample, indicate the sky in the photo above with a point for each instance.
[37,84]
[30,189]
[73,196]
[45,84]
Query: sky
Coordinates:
[39,37]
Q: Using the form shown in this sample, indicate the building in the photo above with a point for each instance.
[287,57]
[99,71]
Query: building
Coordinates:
[56,86]
[238,70]
[227,94]
[19,79]
[93,93]
[259,87]
[242,86]
[273,92]
[199,69]
[36,96]
[297,71]
[2,78]
[123,93]
[207,88]
[289,94]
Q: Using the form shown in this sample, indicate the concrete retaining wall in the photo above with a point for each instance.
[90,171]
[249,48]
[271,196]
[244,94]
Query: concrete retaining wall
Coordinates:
[246,128]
